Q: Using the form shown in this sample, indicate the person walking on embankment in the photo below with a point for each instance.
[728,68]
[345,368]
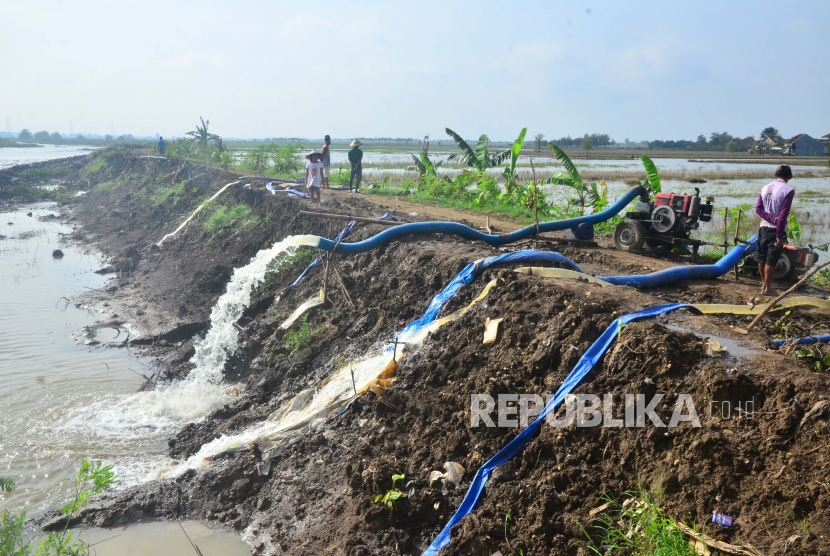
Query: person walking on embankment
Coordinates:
[326,162]
[161,146]
[313,171]
[356,163]
[773,207]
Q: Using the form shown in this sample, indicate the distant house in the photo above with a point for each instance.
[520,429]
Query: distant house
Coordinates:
[804,145]
[825,140]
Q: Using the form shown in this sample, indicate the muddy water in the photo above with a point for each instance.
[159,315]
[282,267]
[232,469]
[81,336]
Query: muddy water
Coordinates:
[160,538]
[47,380]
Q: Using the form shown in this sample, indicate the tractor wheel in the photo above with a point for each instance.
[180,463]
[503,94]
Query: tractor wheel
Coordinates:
[659,246]
[629,235]
[783,268]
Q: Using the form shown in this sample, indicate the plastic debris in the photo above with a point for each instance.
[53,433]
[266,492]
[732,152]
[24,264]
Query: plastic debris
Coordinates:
[714,348]
[491,330]
[721,519]
[455,471]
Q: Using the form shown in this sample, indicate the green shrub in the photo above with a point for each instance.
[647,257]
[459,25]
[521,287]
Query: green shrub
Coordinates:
[219,217]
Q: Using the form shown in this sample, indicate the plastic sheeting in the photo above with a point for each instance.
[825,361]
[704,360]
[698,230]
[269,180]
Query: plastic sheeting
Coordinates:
[466,232]
[583,366]
[825,338]
[799,301]
[470,273]
[670,275]
[547,272]
[342,235]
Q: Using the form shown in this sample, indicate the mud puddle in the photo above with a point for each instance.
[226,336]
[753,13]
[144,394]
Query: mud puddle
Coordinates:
[151,539]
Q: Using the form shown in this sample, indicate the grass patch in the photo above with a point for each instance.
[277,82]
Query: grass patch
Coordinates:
[49,173]
[636,527]
[163,193]
[220,217]
[821,278]
[297,339]
[94,166]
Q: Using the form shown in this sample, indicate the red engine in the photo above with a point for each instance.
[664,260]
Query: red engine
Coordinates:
[680,203]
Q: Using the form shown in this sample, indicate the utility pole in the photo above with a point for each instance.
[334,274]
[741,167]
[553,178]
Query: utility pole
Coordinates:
[8,126]
[71,131]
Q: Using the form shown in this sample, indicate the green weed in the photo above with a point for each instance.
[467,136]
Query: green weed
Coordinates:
[92,478]
[637,527]
[390,497]
[220,217]
[297,339]
[821,278]
[163,193]
[44,173]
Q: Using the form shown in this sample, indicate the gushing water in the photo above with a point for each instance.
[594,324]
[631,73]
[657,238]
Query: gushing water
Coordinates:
[170,406]
[212,352]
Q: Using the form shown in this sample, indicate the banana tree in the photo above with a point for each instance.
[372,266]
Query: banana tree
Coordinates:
[653,179]
[423,165]
[201,134]
[509,173]
[589,194]
[479,158]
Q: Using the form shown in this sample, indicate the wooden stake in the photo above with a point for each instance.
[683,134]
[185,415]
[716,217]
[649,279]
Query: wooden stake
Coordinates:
[353,383]
[345,291]
[737,231]
[355,218]
[780,297]
[725,216]
[326,271]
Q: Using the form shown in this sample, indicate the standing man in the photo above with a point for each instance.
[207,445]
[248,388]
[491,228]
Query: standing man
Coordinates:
[773,207]
[161,145]
[356,162]
[326,162]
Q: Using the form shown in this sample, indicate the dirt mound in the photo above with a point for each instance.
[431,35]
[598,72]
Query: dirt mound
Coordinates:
[764,463]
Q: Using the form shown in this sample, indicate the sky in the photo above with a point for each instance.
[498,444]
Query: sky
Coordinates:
[638,70]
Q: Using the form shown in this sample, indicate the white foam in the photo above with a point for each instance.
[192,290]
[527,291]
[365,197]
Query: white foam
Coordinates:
[212,352]
[169,407]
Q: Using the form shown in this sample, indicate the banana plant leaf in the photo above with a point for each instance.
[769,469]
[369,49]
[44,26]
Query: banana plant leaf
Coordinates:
[429,168]
[565,161]
[653,176]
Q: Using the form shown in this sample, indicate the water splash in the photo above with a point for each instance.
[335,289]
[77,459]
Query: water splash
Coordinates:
[213,351]
[171,406]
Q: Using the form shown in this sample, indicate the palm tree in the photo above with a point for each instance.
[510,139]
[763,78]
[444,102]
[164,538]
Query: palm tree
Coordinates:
[479,158]
[201,134]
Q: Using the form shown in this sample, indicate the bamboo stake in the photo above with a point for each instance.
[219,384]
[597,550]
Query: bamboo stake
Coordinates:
[355,218]
[737,230]
[725,216]
[345,291]
[780,297]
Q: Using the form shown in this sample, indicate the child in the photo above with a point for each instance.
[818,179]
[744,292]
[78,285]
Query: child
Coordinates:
[313,170]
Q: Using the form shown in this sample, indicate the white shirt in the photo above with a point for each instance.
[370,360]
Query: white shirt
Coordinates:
[314,170]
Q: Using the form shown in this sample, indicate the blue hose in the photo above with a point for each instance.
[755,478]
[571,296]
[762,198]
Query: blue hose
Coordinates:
[583,366]
[473,271]
[472,234]
[669,275]
[804,341]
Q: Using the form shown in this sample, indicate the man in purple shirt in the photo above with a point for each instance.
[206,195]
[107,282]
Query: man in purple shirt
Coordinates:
[773,207]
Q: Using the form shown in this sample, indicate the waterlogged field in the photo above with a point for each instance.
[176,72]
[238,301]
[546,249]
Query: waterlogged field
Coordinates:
[12,156]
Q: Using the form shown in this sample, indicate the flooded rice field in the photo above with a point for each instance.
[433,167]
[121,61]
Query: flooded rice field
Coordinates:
[12,156]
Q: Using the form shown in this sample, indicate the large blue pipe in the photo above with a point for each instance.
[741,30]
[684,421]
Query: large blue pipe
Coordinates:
[670,275]
[472,234]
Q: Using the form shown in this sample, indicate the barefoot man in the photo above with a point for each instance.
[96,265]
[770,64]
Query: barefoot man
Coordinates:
[773,207]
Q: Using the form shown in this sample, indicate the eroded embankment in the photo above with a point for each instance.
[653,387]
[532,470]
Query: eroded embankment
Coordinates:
[318,496]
